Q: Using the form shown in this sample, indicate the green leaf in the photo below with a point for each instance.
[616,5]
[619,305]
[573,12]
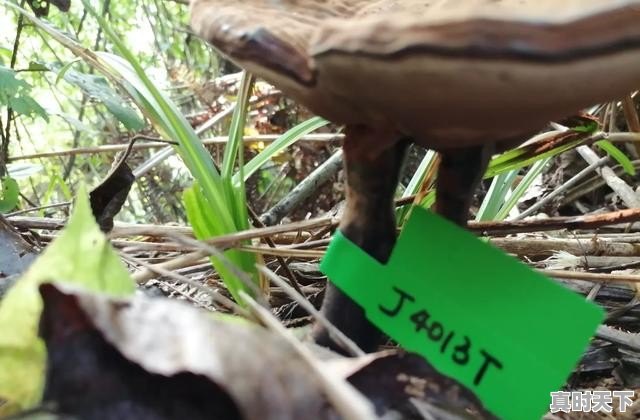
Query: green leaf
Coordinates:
[63,70]
[15,93]
[99,89]
[415,183]
[9,84]
[206,225]
[9,194]
[521,189]
[82,256]
[618,155]
[26,105]
[520,157]
[5,54]
[589,127]
[35,66]
[279,144]
[236,131]
[428,200]
[74,122]
[126,72]
[500,187]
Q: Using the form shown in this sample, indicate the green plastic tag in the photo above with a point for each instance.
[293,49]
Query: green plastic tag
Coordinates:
[505,331]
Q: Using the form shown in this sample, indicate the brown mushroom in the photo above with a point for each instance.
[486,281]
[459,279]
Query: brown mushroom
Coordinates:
[464,77]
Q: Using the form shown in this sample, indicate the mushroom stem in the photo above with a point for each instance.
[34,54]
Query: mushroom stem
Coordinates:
[459,175]
[368,221]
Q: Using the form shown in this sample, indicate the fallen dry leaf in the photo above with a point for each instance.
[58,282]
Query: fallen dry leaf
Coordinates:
[144,358]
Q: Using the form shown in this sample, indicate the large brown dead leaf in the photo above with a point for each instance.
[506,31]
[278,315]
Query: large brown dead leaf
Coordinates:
[145,358]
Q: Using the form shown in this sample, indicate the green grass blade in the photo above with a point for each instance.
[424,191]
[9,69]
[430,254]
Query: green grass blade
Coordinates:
[279,144]
[522,188]
[618,155]
[414,184]
[500,186]
[235,146]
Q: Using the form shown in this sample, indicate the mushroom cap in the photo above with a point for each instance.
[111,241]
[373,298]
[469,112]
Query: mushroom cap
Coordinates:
[450,73]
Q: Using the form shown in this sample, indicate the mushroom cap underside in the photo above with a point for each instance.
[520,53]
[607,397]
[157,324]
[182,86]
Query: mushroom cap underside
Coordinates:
[451,71]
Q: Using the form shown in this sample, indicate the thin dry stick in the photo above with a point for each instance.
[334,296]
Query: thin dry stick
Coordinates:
[112,148]
[298,253]
[631,115]
[495,228]
[293,279]
[334,332]
[179,291]
[620,187]
[38,208]
[622,137]
[211,250]
[592,183]
[303,190]
[607,278]
[163,271]
[168,151]
[536,247]
[151,270]
[133,229]
[349,403]
[554,223]
[564,187]
[622,338]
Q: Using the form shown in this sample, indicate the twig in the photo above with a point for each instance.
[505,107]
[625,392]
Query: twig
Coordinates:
[535,248]
[338,335]
[133,229]
[303,190]
[601,277]
[113,148]
[163,154]
[38,208]
[219,255]
[293,279]
[495,228]
[347,401]
[286,252]
[6,134]
[631,115]
[620,187]
[564,187]
[622,338]
[165,270]
[555,223]
[593,183]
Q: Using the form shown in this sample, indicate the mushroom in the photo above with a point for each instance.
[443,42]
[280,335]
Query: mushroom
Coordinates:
[464,77]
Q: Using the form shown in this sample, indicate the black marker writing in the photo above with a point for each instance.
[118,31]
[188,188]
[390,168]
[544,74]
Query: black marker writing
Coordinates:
[488,359]
[445,343]
[403,297]
[461,352]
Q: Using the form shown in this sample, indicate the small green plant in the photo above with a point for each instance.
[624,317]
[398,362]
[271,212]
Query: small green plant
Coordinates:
[15,93]
[216,203]
[9,194]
